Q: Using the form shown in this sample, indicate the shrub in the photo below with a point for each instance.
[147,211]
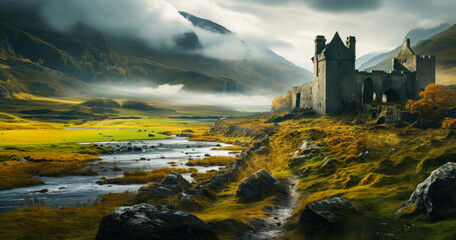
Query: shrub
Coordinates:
[449,124]
[282,103]
[435,99]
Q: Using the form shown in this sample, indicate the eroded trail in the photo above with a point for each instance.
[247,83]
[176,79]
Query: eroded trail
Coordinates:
[273,226]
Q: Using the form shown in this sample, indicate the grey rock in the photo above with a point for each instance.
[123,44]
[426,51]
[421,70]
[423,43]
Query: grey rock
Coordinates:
[25,159]
[173,184]
[258,186]
[45,190]
[327,213]
[436,195]
[301,159]
[146,221]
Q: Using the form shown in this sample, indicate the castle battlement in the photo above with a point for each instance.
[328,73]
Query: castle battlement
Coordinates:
[338,84]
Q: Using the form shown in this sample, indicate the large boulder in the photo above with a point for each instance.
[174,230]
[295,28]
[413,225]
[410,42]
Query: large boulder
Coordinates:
[145,221]
[258,186]
[436,195]
[327,213]
[173,184]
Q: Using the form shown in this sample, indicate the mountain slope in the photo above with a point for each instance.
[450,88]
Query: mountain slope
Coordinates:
[39,60]
[414,35]
[443,46]
[216,28]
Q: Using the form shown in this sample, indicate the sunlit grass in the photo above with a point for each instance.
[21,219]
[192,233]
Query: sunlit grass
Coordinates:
[202,177]
[230,148]
[211,161]
[66,223]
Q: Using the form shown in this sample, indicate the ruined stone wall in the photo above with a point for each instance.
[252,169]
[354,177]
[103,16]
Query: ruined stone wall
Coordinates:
[306,95]
[425,73]
[400,82]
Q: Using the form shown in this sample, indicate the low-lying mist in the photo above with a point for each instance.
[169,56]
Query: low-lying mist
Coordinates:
[167,94]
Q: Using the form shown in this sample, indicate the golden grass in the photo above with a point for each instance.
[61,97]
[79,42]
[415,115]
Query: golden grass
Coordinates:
[17,174]
[141,176]
[202,177]
[230,148]
[378,192]
[211,161]
[229,216]
[67,223]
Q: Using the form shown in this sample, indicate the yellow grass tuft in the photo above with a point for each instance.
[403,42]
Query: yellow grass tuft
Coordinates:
[211,161]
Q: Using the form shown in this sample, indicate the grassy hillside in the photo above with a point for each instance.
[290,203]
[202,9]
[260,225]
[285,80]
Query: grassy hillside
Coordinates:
[443,46]
[39,60]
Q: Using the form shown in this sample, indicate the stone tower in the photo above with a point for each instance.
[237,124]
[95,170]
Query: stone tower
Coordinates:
[334,66]
[423,66]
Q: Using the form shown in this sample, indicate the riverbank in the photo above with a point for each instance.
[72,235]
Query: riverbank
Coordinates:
[51,149]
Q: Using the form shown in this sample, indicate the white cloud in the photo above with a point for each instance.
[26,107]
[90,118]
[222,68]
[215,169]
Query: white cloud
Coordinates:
[155,21]
[176,94]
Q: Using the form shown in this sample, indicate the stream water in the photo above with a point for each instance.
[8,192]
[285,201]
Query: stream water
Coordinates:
[60,192]
[273,226]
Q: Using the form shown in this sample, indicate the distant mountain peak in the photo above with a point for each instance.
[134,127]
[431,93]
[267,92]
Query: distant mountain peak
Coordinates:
[205,23]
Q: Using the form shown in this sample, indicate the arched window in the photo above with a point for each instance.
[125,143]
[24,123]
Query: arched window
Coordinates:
[391,95]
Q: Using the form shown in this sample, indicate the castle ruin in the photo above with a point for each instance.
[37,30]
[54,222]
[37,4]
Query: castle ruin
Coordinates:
[337,84]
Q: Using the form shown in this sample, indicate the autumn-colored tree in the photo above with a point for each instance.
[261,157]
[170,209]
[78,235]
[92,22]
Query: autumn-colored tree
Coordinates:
[449,124]
[434,100]
[282,103]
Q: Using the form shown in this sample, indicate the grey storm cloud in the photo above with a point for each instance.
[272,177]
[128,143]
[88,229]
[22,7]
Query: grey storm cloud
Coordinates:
[326,5]
[344,5]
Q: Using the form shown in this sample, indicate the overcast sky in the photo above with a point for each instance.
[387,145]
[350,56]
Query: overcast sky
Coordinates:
[289,26]
[286,26]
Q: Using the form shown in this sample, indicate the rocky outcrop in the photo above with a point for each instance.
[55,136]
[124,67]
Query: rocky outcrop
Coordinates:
[301,159]
[327,213]
[145,221]
[173,184]
[258,186]
[436,196]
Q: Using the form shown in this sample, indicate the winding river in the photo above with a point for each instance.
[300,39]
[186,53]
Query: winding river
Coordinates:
[60,192]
